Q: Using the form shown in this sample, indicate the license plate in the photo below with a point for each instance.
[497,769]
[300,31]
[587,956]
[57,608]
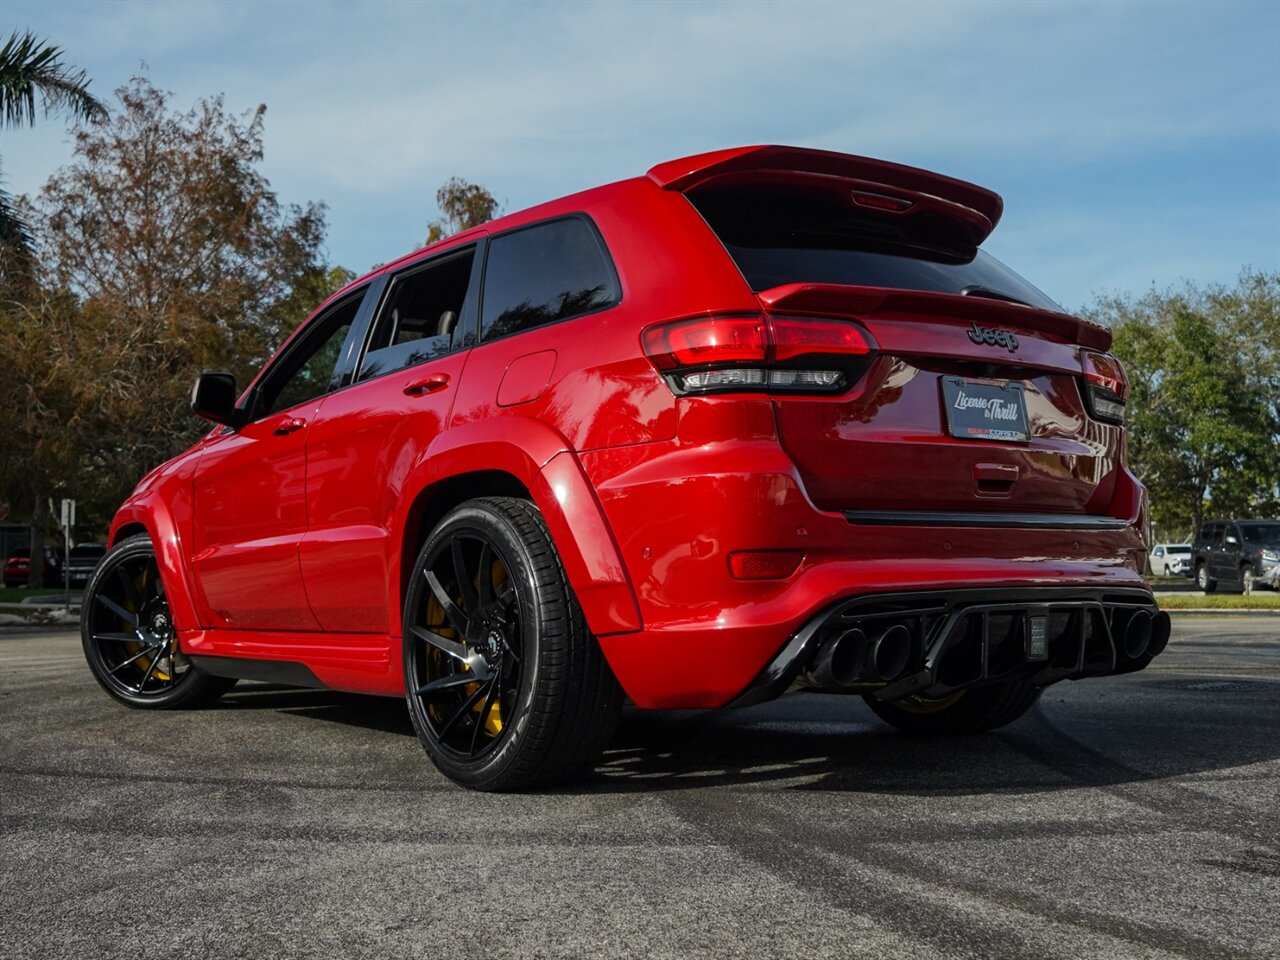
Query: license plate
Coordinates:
[985,409]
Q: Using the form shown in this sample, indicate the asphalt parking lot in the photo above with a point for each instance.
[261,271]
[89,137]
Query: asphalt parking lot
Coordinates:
[1132,817]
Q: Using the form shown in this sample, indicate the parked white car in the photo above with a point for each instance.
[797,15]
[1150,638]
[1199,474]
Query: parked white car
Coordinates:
[1171,560]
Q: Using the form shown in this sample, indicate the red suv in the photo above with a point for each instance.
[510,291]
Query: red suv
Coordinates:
[763,418]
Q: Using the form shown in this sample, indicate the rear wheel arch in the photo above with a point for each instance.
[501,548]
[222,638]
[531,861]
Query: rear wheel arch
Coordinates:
[431,504]
[521,458]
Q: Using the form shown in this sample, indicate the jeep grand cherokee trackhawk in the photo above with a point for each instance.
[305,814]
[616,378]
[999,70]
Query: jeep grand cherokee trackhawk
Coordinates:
[762,418]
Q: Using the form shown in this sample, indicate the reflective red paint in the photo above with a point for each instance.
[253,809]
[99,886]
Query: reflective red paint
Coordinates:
[289,539]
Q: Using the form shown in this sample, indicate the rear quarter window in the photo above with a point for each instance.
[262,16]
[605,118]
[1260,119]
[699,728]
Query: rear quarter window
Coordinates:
[545,273]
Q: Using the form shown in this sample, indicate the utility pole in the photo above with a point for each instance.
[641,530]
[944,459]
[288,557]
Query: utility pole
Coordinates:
[68,524]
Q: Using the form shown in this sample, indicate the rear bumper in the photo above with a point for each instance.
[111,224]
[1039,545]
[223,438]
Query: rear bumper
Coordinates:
[962,638]
[678,512]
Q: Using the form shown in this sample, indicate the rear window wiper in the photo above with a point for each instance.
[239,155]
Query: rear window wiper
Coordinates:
[978,290]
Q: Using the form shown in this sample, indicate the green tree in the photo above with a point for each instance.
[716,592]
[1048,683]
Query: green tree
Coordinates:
[462,206]
[1204,407]
[163,252]
[31,69]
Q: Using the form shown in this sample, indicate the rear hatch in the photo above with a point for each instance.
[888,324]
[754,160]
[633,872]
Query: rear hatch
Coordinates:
[978,394]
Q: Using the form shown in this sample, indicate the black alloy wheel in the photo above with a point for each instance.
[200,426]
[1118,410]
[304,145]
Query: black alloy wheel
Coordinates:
[129,637]
[505,685]
[469,662]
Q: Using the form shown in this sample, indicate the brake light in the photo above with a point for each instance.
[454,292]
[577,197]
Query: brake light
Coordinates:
[879,201]
[1106,386]
[688,343]
[758,353]
[795,338]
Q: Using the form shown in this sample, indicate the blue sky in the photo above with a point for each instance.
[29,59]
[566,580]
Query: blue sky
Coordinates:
[1134,143]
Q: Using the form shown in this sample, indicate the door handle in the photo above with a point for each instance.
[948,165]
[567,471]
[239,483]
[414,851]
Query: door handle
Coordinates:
[994,479]
[995,472]
[428,384]
[288,426]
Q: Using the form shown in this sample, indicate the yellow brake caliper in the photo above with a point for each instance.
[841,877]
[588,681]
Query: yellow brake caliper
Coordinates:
[435,615]
[143,664]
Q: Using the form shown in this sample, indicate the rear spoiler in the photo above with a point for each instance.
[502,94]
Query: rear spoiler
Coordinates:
[883,302]
[980,207]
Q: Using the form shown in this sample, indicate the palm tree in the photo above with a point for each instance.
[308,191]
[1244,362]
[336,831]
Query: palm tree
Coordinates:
[29,67]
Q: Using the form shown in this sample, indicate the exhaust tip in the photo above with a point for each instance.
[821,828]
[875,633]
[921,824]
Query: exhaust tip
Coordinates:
[839,660]
[1137,634]
[891,652]
[1160,629]
[848,651]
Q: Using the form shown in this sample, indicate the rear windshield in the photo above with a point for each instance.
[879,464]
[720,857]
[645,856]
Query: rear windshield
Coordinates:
[775,241]
[93,550]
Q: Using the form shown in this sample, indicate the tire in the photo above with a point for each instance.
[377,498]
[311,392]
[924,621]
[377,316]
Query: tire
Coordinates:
[128,636]
[1247,579]
[506,687]
[972,710]
[1204,581]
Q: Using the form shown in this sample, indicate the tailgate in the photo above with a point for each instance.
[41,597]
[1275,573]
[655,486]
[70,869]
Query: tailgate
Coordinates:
[978,395]
[912,435]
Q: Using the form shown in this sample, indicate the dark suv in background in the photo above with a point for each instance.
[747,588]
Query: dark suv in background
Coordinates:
[84,559]
[1237,553]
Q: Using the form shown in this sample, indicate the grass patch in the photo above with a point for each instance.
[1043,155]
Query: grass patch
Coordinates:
[18,594]
[1219,601]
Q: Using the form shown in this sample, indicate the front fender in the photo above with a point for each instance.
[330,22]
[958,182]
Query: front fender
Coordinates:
[538,458]
[159,516]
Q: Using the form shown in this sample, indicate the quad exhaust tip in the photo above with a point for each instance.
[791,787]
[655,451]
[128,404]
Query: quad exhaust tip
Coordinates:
[839,661]
[851,657]
[1160,627]
[1136,634]
[890,653]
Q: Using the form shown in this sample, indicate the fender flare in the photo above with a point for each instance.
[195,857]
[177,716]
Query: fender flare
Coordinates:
[152,513]
[540,459]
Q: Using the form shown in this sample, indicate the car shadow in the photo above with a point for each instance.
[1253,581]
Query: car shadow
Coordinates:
[386,714]
[1154,728]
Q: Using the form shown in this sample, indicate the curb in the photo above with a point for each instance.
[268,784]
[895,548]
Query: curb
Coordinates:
[1222,612]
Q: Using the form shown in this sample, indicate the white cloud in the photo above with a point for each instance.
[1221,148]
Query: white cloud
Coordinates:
[371,106]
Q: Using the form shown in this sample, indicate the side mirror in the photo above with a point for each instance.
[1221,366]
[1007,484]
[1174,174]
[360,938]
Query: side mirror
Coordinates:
[1232,540]
[214,398]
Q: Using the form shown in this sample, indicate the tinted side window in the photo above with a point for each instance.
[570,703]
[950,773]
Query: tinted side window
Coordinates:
[544,273]
[306,371]
[420,317]
[1261,532]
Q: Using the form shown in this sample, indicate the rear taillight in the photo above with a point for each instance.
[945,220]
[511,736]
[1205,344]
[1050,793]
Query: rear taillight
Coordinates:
[758,353]
[1106,386]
